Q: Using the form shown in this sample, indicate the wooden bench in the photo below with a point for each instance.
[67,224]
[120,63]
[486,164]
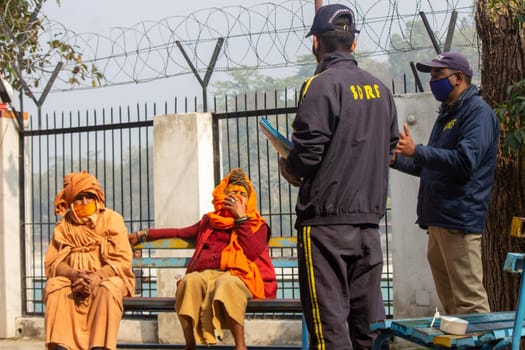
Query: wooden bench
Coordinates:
[167,304]
[494,330]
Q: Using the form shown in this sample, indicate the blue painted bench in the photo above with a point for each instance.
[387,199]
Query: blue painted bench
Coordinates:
[494,330]
[167,304]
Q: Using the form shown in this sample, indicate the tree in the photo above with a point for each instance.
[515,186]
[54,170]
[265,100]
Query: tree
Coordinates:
[501,28]
[25,60]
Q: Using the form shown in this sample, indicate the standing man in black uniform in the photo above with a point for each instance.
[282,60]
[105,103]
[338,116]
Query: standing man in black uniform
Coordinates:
[345,132]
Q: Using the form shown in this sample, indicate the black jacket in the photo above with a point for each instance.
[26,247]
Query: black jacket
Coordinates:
[344,132]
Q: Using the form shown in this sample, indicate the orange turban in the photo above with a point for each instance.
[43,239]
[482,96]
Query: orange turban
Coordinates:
[218,219]
[75,183]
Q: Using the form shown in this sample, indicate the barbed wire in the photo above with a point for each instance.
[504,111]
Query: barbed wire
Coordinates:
[264,36]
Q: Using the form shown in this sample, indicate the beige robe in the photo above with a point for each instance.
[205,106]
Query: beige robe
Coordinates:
[81,324]
[204,299]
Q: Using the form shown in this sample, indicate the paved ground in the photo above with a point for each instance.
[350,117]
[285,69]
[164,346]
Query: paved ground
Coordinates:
[21,344]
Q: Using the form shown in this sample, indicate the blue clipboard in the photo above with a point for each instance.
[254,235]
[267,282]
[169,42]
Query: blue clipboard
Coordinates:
[281,144]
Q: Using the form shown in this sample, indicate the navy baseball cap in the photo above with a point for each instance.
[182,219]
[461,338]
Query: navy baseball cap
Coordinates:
[452,60]
[325,17]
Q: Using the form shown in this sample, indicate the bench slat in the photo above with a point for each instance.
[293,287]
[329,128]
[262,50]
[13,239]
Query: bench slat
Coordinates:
[177,243]
[514,262]
[166,243]
[167,304]
[177,262]
[165,262]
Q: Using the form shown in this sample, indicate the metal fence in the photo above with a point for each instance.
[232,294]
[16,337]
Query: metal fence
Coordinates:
[116,146]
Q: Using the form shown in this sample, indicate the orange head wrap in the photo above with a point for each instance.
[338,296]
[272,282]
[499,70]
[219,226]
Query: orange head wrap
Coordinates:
[219,217]
[75,183]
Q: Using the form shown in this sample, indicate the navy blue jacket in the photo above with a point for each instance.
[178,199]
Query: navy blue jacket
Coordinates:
[456,168]
[344,132]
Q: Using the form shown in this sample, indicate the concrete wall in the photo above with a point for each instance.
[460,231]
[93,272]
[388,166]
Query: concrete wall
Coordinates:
[10,272]
[183,181]
[414,292]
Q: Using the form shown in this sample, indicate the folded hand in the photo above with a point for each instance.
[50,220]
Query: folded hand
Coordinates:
[85,283]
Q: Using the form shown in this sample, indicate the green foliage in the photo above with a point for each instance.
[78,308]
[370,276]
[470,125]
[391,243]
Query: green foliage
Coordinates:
[513,8]
[24,58]
[511,115]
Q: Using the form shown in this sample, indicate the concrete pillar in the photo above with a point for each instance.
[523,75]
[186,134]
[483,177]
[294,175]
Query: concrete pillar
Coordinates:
[182,168]
[414,291]
[10,271]
[182,182]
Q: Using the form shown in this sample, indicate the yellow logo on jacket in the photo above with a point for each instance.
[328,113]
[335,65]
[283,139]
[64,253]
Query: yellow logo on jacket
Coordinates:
[450,124]
[367,92]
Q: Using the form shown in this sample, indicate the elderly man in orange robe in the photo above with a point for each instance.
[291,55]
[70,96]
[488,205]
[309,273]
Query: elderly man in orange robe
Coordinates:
[88,269]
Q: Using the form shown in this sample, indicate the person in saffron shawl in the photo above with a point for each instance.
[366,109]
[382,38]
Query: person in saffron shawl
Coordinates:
[88,269]
[231,264]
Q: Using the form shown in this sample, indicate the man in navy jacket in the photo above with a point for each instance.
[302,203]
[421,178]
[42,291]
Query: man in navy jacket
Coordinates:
[456,170]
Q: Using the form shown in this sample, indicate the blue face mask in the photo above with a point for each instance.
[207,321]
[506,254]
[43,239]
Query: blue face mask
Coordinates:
[441,88]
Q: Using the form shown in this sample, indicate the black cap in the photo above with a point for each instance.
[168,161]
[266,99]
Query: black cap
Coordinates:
[326,16]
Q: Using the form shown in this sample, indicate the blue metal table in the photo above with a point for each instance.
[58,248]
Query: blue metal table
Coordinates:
[494,330]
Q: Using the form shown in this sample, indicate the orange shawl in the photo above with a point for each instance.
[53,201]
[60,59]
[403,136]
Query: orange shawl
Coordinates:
[73,241]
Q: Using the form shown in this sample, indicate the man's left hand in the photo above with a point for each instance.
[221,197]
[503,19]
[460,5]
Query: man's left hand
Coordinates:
[406,145]
[292,179]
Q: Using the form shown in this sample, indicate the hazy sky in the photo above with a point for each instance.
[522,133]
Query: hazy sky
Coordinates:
[100,15]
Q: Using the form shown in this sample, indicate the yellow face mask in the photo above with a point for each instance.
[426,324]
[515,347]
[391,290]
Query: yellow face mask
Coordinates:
[85,210]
